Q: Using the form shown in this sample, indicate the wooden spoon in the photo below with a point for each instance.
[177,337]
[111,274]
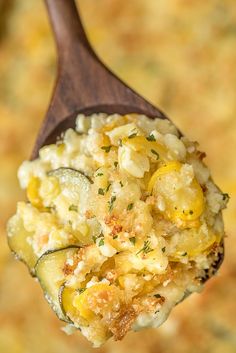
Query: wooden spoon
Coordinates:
[84,84]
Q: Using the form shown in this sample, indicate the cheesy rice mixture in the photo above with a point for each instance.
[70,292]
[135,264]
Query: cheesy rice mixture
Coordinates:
[123,221]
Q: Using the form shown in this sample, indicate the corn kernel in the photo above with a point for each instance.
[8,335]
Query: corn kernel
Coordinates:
[105,140]
[50,188]
[101,178]
[60,148]
[33,192]
[82,234]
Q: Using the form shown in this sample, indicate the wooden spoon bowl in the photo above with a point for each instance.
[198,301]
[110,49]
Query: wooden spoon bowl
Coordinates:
[84,84]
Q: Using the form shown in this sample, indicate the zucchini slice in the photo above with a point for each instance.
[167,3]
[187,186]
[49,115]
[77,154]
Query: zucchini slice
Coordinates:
[73,314]
[66,296]
[17,237]
[49,270]
[74,184]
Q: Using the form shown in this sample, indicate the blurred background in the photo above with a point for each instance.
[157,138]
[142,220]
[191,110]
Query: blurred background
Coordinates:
[180,55]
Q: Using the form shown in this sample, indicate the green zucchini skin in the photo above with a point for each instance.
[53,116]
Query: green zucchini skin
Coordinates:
[77,184]
[17,242]
[60,298]
[63,297]
[48,268]
[48,252]
[68,174]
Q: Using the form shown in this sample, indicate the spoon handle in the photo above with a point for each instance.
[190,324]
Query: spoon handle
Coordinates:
[67,27]
[83,80]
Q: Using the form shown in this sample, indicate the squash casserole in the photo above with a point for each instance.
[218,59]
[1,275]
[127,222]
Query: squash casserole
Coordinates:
[122,222]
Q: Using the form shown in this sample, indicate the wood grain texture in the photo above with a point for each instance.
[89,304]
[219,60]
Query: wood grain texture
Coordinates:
[84,84]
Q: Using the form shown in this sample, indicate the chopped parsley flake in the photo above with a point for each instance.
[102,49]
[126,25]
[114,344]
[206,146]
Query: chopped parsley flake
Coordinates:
[185,253]
[101,235]
[116,164]
[130,206]
[121,184]
[99,174]
[157,296]
[108,187]
[81,290]
[50,208]
[163,249]
[101,242]
[133,240]
[73,208]
[146,248]
[101,191]
[111,203]
[151,138]
[155,153]
[106,148]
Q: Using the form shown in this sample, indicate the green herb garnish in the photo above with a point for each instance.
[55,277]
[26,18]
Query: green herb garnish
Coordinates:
[130,206]
[155,153]
[146,248]
[81,290]
[101,235]
[108,187]
[157,296]
[73,208]
[106,148]
[116,164]
[151,138]
[121,184]
[163,249]
[101,191]
[101,242]
[185,253]
[133,240]
[50,208]
[99,174]
[111,203]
